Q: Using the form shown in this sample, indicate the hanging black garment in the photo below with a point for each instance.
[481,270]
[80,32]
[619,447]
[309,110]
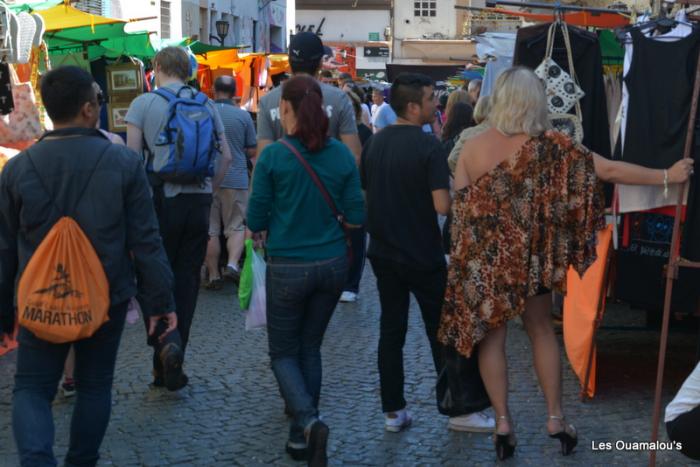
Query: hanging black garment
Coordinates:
[7,103]
[530,47]
[660,86]
[640,277]
[691,231]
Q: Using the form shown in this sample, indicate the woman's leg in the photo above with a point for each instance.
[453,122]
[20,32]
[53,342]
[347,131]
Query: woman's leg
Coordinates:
[287,289]
[545,349]
[320,306]
[494,372]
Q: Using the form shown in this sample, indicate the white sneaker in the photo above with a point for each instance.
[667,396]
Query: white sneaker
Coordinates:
[397,421]
[478,422]
[348,297]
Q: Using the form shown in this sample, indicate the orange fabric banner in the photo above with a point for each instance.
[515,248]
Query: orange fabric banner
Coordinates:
[581,18]
[580,311]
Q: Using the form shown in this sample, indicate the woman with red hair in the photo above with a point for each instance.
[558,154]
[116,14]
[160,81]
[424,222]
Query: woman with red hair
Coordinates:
[306,246]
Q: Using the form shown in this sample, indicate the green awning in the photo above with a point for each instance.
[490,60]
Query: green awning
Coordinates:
[85,35]
[133,45]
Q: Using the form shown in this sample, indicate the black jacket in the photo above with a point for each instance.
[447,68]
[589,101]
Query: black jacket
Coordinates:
[116,213]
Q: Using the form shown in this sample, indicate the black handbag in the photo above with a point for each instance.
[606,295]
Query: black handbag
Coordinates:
[460,389]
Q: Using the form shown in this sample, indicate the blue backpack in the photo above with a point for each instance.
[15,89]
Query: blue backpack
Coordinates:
[186,149]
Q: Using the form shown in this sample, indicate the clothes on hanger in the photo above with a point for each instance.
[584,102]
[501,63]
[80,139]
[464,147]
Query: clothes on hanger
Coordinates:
[530,50]
[691,229]
[497,49]
[613,97]
[659,98]
[7,103]
[643,254]
[655,107]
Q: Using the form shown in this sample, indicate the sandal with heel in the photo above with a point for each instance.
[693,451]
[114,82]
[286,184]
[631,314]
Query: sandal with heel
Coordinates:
[567,437]
[504,442]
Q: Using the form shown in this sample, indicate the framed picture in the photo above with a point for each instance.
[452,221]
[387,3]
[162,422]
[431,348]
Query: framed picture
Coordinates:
[117,117]
[124,78]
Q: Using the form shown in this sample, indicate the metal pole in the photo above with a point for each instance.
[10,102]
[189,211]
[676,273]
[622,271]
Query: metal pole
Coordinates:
[551,6]
[672,271]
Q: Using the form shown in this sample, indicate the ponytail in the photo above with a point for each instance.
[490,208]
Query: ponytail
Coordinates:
[304,94]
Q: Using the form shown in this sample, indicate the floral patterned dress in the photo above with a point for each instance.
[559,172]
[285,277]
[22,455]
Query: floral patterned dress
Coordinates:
[516,230]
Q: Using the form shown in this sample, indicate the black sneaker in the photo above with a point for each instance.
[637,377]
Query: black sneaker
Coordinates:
[318,440]
[298,454]
[232,273]
[171,358]
[68,388]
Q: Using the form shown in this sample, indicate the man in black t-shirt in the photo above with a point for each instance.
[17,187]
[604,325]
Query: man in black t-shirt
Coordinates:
[407,180]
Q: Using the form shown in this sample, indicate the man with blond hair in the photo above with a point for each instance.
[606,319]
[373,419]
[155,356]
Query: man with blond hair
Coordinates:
[182,208]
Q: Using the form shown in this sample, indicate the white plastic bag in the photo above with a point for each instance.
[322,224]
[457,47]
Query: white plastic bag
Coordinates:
[256,316]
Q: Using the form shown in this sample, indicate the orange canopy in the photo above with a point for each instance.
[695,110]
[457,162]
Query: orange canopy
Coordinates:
[579,18]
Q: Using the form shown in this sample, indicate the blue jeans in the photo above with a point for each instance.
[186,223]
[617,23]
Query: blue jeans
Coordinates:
[301,298]
[39,370]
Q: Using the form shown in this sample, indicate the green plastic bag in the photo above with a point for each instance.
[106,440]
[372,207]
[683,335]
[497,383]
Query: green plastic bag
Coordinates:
[245,286]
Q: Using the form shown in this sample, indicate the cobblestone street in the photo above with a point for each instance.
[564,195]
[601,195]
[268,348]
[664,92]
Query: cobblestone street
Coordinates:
[231,413]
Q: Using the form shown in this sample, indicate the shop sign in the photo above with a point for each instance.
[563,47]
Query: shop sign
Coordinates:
[376,51]
[312,27]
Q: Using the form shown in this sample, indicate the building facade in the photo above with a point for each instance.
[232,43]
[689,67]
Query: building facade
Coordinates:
[254,25]
[358,31]
[430,32]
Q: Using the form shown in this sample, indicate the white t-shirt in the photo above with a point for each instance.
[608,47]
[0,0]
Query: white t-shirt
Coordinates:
[687,399]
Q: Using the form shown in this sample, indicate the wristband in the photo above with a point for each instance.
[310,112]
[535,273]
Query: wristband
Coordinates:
[665,183]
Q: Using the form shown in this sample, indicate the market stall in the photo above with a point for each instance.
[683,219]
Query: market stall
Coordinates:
[253,71]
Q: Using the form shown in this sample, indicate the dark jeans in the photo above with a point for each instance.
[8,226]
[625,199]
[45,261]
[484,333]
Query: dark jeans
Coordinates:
[184,226]
[39,369]
[395,282]
[301,298]
[358,238]
[685,429]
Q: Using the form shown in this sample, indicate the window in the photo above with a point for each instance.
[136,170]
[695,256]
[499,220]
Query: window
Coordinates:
[165,19]
[236,34]
[95,7]
[203,25]
[422,8]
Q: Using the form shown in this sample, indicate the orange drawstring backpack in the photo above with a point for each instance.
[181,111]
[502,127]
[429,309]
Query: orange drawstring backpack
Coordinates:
[63,294]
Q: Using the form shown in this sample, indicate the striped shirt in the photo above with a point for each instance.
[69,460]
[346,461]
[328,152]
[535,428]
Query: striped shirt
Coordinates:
[240,134]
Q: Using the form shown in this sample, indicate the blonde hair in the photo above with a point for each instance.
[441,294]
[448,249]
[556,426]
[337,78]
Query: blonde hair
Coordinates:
[518,103]
[482,109]
[459,95]
[356,105]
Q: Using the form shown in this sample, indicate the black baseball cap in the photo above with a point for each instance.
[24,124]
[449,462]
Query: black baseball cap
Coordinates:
[305,47]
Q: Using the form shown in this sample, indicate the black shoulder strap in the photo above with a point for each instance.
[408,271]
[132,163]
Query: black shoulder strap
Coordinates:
[63,212]
[317,181]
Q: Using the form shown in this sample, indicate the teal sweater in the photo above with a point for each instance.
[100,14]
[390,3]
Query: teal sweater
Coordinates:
[286,203]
